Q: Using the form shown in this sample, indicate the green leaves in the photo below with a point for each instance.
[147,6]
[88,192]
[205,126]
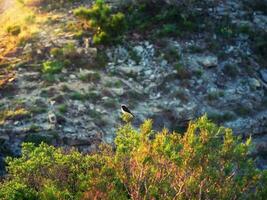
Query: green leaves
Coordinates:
[106,25]
[52,67]
[206,162]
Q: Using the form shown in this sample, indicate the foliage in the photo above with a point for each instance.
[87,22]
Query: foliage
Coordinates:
[14,30]
[166,19]
[106,25]
[207,162]
[15,114]
[68,51]
[52,67]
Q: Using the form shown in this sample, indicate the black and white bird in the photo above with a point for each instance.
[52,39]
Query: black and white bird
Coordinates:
[125,109]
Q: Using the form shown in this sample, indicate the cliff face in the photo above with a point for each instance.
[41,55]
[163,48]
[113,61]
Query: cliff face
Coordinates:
[219,69]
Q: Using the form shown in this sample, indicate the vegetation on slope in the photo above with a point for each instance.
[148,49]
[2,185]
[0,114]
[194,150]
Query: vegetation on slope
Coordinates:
[206,162]
[106,25]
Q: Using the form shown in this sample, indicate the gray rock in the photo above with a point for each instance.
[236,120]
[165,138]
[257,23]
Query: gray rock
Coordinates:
[264,75]
[254,83]
[139,50]
[73,76]
[130,71]
[260,21]
[208,61]
[118,91]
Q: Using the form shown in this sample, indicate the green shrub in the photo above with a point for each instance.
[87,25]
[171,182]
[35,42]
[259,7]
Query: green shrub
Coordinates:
[207,162]
[90,77]
[78,96]
[30,19]
[68,51]
[106,25]
[14,190]
[14,30]
[52,67]
[161,18]
[169,29]
[37,139]
[56,52]
[62,108]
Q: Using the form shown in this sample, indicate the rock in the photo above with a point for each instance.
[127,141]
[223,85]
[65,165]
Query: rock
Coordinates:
[27,48]
[129,71]
[208,61]
[68,130]
[118,91]
[52,118]
[254,83]
[139,50]
[263,74]
[72,76]
[119,55]
[92,52]
[260,21]
[80,106]
[253,126]
[89,75]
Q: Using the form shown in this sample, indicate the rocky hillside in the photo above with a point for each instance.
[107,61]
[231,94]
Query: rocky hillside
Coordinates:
[177,75]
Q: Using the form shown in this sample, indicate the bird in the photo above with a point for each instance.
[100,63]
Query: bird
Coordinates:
[125,109]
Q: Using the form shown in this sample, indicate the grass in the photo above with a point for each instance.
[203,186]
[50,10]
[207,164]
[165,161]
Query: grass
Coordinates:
[18,23]
[90,77]
[13,114]
[230,70]
[63,108]
[78,96]
[52,67]
[214,95]
[219,117]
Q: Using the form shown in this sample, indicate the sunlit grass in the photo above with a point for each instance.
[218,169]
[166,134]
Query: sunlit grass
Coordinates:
[17,15]
[12,114]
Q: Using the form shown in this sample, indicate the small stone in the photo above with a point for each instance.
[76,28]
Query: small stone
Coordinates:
[72,76]
[16,123]
[148,72]
[118,91]
[39,51]
[139,49]
[68,130]
[52,118]
[209,61]
[164,63]
[264,75]
[254,83]
[105,98]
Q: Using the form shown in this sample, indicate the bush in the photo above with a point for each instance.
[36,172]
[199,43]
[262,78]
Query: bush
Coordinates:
[14,30]
[207,162]
[52,67]
[106,25]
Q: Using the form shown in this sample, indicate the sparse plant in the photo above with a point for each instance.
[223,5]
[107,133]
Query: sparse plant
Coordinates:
[14,30]
[106,25]
[63,108]
[182,72]
[78,96]
[56,52]
[52,67]
[90,77]
[231,70]
[14,114]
